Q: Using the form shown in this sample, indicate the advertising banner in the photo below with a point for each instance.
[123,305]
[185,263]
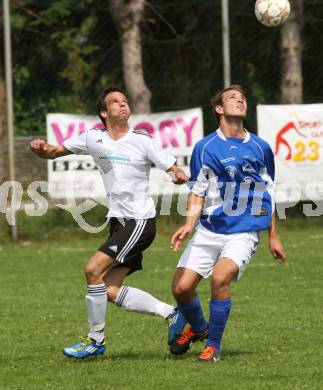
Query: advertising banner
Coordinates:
[76,176]
[295,134]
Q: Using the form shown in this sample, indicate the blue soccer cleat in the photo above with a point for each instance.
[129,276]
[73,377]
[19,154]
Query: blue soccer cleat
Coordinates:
[85,348]
[176,324]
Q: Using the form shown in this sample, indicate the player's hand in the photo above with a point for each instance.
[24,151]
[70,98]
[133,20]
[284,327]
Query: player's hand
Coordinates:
[276,249]
[178,175]
[39,146]
[180,236]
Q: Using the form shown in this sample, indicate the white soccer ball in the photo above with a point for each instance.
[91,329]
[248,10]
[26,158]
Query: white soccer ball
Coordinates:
[272,13]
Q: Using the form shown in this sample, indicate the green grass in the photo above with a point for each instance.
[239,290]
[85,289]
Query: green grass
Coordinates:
[273,339]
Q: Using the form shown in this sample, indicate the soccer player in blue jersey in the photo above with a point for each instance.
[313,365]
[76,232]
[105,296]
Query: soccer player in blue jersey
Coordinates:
[231,201]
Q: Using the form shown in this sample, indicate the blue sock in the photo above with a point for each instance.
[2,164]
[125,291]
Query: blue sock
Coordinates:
[219,314]
[194,315]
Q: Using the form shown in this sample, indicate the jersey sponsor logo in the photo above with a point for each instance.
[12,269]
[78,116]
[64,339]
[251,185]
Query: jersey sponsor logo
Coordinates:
[227,160]
[231,170]
[116,156]
[99,141]
[261,212]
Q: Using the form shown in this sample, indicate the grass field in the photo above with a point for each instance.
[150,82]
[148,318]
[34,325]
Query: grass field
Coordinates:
[273,339]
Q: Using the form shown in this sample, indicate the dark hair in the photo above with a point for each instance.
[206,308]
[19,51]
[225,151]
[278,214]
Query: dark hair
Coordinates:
[101,106]
[217,100]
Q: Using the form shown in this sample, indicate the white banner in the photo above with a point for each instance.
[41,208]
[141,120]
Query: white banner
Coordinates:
[295,134]
[77,176]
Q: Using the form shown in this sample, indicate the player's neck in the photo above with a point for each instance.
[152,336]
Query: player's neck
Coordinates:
[232,128]
[117,130]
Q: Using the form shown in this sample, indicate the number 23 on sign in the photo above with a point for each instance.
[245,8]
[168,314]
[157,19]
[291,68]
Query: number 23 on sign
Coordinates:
[306,151]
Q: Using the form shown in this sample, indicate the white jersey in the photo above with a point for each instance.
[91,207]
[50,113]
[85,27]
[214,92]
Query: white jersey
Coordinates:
[124,165]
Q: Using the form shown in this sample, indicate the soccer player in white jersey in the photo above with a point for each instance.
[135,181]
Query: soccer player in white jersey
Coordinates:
[124,157]
[232,174]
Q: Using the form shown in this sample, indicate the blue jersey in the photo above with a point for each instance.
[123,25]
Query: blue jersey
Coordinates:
[236,178]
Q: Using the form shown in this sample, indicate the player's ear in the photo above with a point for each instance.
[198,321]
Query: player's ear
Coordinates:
[104,114]
[219,109]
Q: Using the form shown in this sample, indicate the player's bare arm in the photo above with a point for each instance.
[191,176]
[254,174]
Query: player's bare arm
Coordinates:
[275,246]
[177,174]
[47,151]
[194,207]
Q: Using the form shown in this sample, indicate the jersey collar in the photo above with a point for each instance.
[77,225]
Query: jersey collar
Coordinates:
[221,135]
[123,137]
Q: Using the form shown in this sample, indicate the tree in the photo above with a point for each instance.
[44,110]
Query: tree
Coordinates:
[127,16]
[53,59]
[291,86]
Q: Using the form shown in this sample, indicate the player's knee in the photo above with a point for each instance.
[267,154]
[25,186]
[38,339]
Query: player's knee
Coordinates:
[182,289]
[92,273]
[219,284]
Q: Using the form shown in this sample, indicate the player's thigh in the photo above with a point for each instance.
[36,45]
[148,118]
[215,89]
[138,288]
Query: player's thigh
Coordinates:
[99,264]
[202,252]
[239,248]
[225,270]
[185,280]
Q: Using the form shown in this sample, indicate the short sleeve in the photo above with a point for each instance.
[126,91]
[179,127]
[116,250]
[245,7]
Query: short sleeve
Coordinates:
[269,173]
[196,163]
[157,155]
[269,162]
[77,145]
[199,180]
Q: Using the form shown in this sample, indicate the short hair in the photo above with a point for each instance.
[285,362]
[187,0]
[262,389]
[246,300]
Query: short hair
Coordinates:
[217,99]
[101,106]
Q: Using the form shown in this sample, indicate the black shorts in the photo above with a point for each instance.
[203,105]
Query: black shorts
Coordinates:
[128,238]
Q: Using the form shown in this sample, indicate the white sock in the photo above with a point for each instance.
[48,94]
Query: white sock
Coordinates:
[96,300]
[133,299]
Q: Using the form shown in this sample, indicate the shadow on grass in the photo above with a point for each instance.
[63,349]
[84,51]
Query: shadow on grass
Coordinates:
[140,356]
[153,356]
[131,356]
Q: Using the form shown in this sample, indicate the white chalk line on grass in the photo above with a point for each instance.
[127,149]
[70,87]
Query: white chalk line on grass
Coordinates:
[316,236]
[71,249]
[269,264]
